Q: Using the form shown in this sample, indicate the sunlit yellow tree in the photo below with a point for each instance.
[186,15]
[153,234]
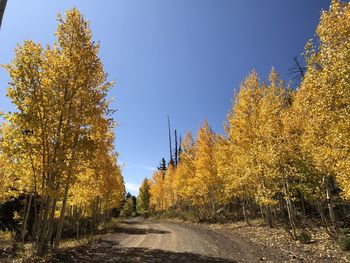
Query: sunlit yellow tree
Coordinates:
[323,101]
[207,186]
[169,193]
[251,161]
[157,201]
[143,199]
[60,93]
[185,172]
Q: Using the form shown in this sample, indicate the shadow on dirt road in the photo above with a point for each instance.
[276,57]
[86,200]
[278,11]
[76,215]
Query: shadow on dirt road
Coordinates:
[138,231]
[109,251]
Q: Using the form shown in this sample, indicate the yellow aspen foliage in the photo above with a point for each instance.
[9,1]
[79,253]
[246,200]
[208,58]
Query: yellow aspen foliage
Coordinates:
[62,117]
[157,201]
[250,160]
[295,163]
[143,197]
[185,171]
[269,145]
[169,193]
[207,186]
[284,150]
[238,165]
[323,100]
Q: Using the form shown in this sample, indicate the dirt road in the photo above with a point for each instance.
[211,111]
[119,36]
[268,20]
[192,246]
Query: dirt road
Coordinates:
[169,242]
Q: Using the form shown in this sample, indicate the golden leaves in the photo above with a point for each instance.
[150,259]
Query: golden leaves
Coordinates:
[323,102]
[60,138]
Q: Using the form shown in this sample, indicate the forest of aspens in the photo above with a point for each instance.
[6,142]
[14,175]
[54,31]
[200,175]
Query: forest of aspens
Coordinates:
[284,158]
[285,154]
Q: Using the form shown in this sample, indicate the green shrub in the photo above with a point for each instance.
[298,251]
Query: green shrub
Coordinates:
[128,208]
[304,237]
[344,231]
[344,242]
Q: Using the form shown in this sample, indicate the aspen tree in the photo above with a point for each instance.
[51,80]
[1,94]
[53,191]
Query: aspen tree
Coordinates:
[237,164]
[60,93]
[185,171]
[169,194]
[143,199]
[207,185]
[157,200]
[323,101]
[252,156]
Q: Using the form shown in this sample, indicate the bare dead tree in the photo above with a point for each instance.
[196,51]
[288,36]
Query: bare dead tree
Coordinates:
[171,150]
[180,150]
[176,150]
[297,70]
[2,9]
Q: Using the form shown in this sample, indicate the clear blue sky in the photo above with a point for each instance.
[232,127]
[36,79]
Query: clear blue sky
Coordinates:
[184,58]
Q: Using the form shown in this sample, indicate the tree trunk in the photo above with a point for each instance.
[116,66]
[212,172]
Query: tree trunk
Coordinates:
[244,211]
[42,227]
[2,9]
[77,218]
[25,220]
[94,211]
[262,214]
[268,216]
[291,213]
[213,207]
[245,214]
[326,181]
[302,201]
[64,203]
[49,234]
[36,217]
[323,218]
[62,215]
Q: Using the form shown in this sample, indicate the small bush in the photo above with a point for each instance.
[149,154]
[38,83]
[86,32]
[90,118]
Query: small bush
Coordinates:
[128,208]
[344,231]
[7,236]
[70,227]
[344,242]
[304,237]
[8,244]
[146,214]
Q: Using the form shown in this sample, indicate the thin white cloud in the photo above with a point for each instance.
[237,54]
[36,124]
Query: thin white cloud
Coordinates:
[131,187]
[149,168]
